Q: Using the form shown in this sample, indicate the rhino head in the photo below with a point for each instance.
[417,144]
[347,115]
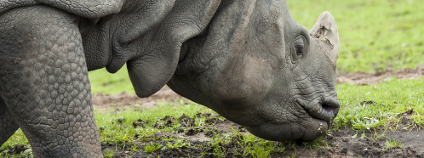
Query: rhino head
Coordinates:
[248,60]
[259,68]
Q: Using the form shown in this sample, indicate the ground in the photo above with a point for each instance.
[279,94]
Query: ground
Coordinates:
[340,143]
[218,137]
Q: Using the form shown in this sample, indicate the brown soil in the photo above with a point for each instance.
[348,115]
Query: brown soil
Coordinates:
[363,78]
[165,94]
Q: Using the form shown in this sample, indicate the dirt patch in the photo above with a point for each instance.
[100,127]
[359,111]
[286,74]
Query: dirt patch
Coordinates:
[364,78]
[344,143]
[165,94]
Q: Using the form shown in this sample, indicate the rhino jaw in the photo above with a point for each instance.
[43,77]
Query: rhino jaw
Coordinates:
[325,29]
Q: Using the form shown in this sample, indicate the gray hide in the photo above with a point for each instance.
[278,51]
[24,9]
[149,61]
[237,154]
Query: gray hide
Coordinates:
[246,59]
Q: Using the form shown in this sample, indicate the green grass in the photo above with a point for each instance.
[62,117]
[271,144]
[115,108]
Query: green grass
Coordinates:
[373,34]
[391,98]
[123,133]
[151,148]
[16,139]
[393,144]
[106,83]
[108,154]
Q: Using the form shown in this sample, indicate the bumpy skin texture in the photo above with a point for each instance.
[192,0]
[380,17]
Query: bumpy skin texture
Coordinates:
[246,59]
[44,82]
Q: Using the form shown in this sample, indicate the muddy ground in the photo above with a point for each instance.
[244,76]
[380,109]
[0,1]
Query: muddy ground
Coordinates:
[341,143]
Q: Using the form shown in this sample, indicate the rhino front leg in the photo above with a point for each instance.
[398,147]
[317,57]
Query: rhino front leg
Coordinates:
[8,126]
[44,82]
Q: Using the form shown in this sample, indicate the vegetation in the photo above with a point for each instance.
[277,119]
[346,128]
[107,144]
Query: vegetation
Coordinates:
[389,99]
[383,102]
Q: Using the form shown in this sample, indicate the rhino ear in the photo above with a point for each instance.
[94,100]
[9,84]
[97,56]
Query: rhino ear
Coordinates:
[152,48]
[325,29]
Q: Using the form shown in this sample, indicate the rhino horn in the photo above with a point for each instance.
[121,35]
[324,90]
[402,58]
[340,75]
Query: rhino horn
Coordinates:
[325,29]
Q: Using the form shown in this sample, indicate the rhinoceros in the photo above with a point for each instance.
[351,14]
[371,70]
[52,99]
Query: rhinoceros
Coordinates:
[248,60]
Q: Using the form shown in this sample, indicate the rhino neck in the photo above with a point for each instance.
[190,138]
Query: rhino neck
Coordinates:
[148,38]
[96,42]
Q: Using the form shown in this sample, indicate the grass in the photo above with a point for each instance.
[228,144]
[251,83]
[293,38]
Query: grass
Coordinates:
[374,35]
[388,103]
[106,83]
[123,133]
[391,99]
[393,144]
[108,154]
[151,148]
[16,139]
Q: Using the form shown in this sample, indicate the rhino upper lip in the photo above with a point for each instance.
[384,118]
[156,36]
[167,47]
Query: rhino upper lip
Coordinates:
[327,108]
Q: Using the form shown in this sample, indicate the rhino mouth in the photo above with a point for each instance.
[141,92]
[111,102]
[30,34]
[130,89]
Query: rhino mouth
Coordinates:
[332,109]
[325,109]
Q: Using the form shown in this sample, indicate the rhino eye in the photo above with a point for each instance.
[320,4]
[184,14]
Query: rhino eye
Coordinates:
[298,49]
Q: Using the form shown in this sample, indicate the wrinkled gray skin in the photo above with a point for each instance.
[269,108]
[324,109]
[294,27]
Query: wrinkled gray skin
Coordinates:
[248,60]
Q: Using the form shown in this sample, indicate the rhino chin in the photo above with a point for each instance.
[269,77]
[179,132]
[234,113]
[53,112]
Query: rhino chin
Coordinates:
[309,129]
[317,128]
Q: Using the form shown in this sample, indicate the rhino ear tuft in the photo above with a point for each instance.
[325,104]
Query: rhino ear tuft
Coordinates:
[325,29]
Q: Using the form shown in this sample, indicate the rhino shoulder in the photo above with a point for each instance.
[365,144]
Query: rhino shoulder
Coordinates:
[6,5]
[84,8]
